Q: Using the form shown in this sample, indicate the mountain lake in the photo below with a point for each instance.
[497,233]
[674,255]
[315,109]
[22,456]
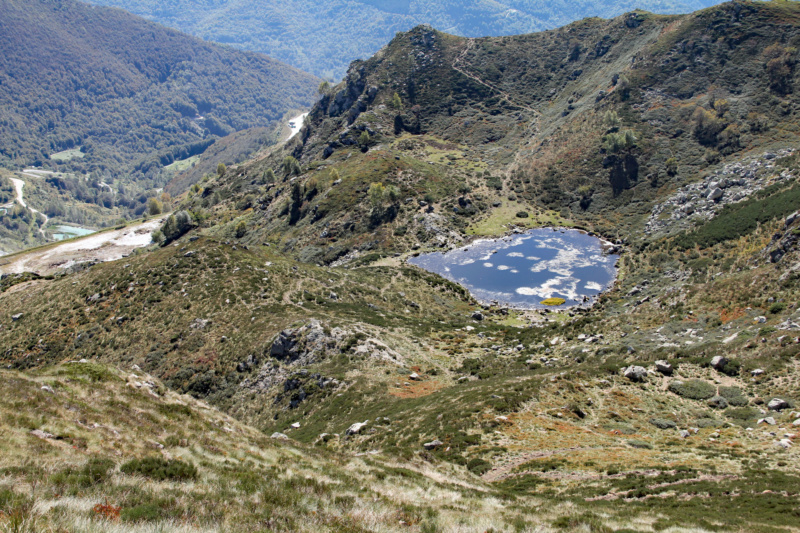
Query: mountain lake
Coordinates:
[522,270]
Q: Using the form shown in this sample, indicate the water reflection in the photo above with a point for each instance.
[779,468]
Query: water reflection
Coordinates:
[523,269]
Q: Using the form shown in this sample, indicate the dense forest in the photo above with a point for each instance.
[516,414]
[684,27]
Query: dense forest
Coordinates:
[324,36]
[91,89]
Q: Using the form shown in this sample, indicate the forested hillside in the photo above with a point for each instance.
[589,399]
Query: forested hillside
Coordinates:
[324,36]
[95,89]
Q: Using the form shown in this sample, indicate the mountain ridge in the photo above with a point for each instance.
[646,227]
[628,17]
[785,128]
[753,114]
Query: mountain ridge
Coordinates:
[323,37]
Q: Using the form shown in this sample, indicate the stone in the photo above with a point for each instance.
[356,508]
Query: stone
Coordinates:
[760,319]
[664,367]
[785,444]
[777,404]
[414,377]
[768,420]
[715,194]
[432,445]
[719,362]
[718,402]
[757,372]
[42,434]
[279,436]
[17,316]
[684,434]
[296,425]
[48,388]
[477,315]
[283,345]
[199,323]
[635,373]
[796,422]
[356,428]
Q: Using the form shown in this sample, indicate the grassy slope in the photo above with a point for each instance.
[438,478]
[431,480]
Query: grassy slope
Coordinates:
[552,426]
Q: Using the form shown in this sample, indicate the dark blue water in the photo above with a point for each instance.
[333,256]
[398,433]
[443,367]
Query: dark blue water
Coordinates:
[524,269]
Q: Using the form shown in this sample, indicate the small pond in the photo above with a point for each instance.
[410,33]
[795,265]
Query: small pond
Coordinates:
[524,269]
[68,232]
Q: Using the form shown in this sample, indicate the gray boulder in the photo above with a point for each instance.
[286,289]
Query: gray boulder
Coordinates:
[284,345]
[685,434]
[279,436]
[477,315]
[777,404]
[432,445]
[719,362]
[664,367]
[635,373]
[718,402]
[356,428]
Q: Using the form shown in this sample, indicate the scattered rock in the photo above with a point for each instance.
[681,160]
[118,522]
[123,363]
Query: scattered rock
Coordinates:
[42,434]
[414,376]
[635,373]
[760,319]
[17,316]
[718,402]
[296,425]
[279,436]
[768,420]
[796,422]
[719,362]
[785,444]
[684,434]
[757,372]
[48,388]
[199,323]
[356,428]
[664,367]
[777,404]
[477,315]
[432,445]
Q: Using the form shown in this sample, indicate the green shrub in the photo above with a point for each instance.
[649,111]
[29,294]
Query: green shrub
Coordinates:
[636,443]
[663,423]
[479,466]
[694,389]
[777,307]
[95,471]
[161,469]
[149,512]
[736,220]
[707,423]
[522,214]
[734,395]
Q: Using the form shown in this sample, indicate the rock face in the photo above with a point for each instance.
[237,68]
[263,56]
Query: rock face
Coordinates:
[703,200]
[356,428]
[283,347]
[664,367]
[777,404]
[635,373]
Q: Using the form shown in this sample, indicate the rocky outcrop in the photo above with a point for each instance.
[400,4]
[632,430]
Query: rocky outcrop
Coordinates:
[703,200]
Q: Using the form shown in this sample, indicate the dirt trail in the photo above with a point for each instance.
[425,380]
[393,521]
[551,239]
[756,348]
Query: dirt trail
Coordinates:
[501,472]
[18,186]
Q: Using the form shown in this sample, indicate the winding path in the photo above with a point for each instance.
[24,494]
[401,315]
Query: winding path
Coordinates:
[18,185]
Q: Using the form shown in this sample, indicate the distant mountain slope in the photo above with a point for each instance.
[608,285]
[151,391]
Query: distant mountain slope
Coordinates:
[324,36]
[132,95]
